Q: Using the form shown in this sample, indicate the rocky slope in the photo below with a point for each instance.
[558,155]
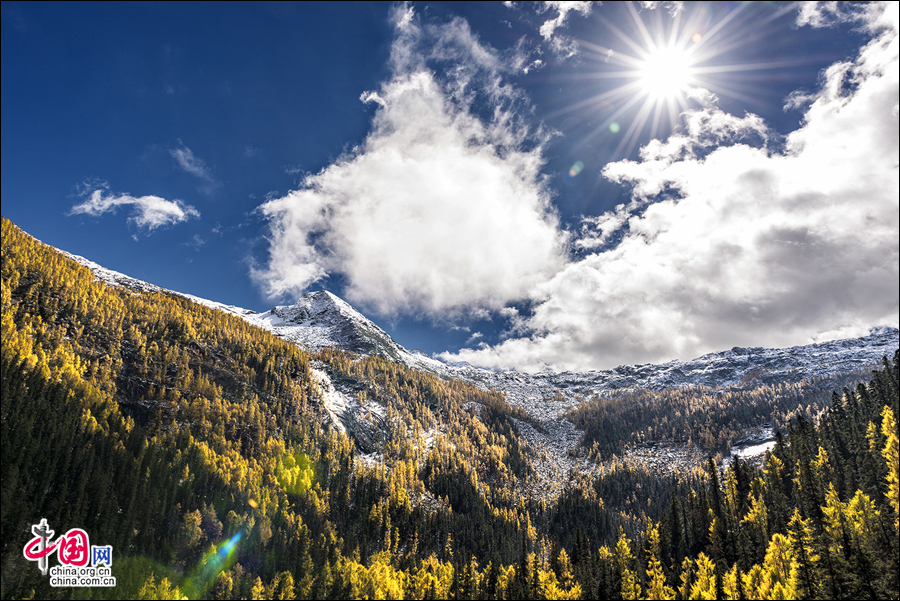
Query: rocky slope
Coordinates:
[321,319]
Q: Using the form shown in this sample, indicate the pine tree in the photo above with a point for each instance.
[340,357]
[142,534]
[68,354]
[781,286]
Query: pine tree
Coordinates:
[807,560]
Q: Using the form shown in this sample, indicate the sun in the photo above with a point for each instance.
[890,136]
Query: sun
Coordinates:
[665,73]
[666,67]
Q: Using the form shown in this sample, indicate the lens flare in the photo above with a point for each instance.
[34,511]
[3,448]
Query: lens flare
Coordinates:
[216,561]
[576,169]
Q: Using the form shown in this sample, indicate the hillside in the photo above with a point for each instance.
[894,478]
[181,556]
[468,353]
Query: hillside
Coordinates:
[693,408]
[221,461]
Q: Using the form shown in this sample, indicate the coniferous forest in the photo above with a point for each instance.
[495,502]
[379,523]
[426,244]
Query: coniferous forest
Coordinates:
[197,446]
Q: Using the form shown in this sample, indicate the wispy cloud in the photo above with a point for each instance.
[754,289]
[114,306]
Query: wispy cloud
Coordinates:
[736,235]
[190,163]
[829,14]
[474,338]
[147,212]
[562,9]
[561,45]
[184,158]
[368,97]
[674,7]
[442,208]
[196,242]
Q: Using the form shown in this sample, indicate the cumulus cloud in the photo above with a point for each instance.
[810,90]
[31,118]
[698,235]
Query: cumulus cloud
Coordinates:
[147,212]
[736,235]
[442,208]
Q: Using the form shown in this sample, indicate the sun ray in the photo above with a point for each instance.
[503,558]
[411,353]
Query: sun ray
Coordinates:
[662,63]
[649,42]
[629,140]
[657,113]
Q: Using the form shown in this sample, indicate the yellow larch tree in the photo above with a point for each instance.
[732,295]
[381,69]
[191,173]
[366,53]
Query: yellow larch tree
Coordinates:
[656,586]
[891,454]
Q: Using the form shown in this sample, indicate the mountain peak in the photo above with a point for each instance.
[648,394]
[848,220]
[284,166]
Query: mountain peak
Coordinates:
[320,308]
[322,319]
[323,301]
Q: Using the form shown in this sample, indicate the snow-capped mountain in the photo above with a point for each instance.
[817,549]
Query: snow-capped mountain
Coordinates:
[737,367]
[321,319]
[317,320]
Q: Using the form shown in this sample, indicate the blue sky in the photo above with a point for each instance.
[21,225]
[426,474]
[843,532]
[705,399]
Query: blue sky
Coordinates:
[517,185]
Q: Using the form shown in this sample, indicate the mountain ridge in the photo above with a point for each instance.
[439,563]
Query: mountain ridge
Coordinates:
[546,405]
[322,319]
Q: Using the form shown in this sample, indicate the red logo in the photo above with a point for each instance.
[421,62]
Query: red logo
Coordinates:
[72,548]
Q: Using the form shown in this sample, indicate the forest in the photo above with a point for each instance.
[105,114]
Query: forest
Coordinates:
[706,417]
[197,446]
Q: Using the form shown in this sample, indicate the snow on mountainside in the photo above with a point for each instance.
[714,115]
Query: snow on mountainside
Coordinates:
[321,319]
[737,367]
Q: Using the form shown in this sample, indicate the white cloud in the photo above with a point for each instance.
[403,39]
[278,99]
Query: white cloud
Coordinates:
[828,14]
[368,97]
[532,66]
[147,212]
[674,8]
[190,163]
[563,9]
[474,337]
[442,208]
[737,236]
[561,45]
[703,96]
